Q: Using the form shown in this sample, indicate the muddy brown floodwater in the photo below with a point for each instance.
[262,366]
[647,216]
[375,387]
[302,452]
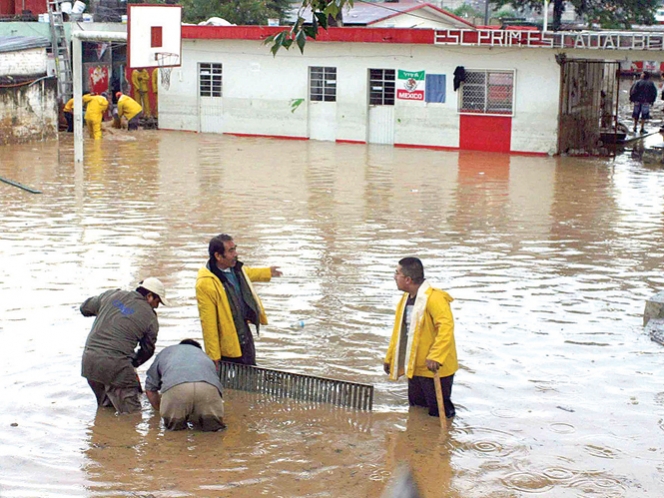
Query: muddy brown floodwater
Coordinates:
[550,261]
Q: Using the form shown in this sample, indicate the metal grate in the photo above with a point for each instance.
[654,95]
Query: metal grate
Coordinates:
[210,79]
[381,86]
[588,117]
[488,92]
[323,84]
[297,386]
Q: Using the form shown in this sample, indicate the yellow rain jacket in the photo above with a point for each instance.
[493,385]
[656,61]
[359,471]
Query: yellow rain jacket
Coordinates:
[69,106]
[219,333]
[433,338]
[128,107]
[97,105]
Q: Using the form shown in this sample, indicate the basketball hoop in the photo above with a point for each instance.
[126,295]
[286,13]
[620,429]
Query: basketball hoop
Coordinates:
[165,61]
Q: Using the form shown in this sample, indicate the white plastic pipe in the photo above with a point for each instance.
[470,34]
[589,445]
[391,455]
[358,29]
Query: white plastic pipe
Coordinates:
[545,28]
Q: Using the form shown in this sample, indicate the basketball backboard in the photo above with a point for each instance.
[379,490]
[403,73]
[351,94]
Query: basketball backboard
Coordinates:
[154,35]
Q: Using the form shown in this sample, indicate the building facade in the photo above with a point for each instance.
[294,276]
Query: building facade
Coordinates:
[494,90]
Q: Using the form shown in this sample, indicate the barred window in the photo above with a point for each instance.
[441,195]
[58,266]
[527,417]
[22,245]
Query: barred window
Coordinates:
[209,79]
[323,84]
[381,86]
[488,92]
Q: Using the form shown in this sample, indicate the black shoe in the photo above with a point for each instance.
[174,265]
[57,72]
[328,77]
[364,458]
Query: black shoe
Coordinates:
[643,131]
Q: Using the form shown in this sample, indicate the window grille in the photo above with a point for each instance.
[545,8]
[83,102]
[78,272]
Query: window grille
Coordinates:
[323,84]
[209,79]
[382,86]
[488,92]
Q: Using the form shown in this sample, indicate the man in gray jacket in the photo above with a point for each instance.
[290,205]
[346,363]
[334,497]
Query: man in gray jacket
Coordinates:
[125,319]
[190,388]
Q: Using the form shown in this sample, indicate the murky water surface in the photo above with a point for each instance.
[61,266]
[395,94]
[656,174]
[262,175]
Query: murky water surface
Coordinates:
[550,260]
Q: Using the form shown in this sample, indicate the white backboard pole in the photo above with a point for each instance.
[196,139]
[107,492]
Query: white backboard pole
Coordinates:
[77,37]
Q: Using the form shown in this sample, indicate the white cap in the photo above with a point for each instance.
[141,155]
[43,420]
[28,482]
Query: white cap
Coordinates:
[155,286]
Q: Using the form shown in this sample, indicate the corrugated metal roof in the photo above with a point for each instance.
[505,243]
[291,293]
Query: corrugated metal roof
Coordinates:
[16,43]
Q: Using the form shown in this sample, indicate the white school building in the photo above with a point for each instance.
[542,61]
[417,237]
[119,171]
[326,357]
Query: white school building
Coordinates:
[519,91]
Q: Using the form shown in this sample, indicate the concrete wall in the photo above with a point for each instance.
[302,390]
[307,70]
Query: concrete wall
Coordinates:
[23,63]
[258,90]
[29,112]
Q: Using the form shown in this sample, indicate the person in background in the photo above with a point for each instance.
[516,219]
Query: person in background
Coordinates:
[227,303]
[422,339]
[125,320]
[190,388]
[68,111]
[140,79]
[643,95]
[130,109]
[94,113]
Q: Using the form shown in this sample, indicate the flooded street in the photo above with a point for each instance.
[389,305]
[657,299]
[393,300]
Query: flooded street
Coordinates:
[550,262]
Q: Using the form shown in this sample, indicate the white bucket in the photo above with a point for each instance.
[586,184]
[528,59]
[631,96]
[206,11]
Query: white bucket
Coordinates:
[87,18]
[42,18]
[65,7]
[78,7]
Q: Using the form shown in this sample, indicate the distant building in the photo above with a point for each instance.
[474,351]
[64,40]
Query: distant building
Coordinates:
[28,97]
[396,14]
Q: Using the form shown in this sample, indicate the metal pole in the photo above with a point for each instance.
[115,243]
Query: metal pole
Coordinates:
[486,13]
[545,28]
[78,98]
[77,37]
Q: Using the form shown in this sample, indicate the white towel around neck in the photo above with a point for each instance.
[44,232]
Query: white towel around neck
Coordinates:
[416,315]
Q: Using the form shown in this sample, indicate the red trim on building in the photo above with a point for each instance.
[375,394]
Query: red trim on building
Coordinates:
[432,147]
[357,142]
[346,34]
[524,153]
[253,135]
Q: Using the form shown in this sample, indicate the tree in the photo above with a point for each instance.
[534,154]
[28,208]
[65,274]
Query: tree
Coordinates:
[466,10]
[240,12]
[607,13]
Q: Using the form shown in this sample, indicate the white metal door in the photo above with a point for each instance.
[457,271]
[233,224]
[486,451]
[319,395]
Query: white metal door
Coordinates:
[381,124]
[211,115]
[323,121]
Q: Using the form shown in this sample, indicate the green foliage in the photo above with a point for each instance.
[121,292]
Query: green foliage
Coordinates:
[505,12]
[325,12]
[607,13]
[466,11]
[241,12]
[295,103]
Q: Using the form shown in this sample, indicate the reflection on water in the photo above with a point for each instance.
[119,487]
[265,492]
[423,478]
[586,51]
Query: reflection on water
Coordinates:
[550,261]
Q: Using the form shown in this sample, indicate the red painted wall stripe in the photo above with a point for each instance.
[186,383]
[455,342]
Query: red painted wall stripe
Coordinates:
[357,35]
[487,133]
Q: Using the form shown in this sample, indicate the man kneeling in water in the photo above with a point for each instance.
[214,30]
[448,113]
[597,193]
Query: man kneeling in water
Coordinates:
[190,388]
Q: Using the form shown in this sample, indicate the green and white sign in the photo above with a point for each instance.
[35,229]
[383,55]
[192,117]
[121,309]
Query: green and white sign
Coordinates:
[410,85]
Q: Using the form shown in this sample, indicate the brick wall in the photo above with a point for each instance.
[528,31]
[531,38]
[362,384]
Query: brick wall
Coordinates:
[28,112]
[23,63]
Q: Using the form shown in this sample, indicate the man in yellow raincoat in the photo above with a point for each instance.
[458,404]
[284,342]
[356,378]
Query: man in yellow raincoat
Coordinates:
[140,79]
[227,303]
[130,109]
[422,339]
[96,107]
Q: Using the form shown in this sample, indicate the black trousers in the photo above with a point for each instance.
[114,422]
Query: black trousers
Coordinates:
[70,121]
[248,352]
[422,392]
